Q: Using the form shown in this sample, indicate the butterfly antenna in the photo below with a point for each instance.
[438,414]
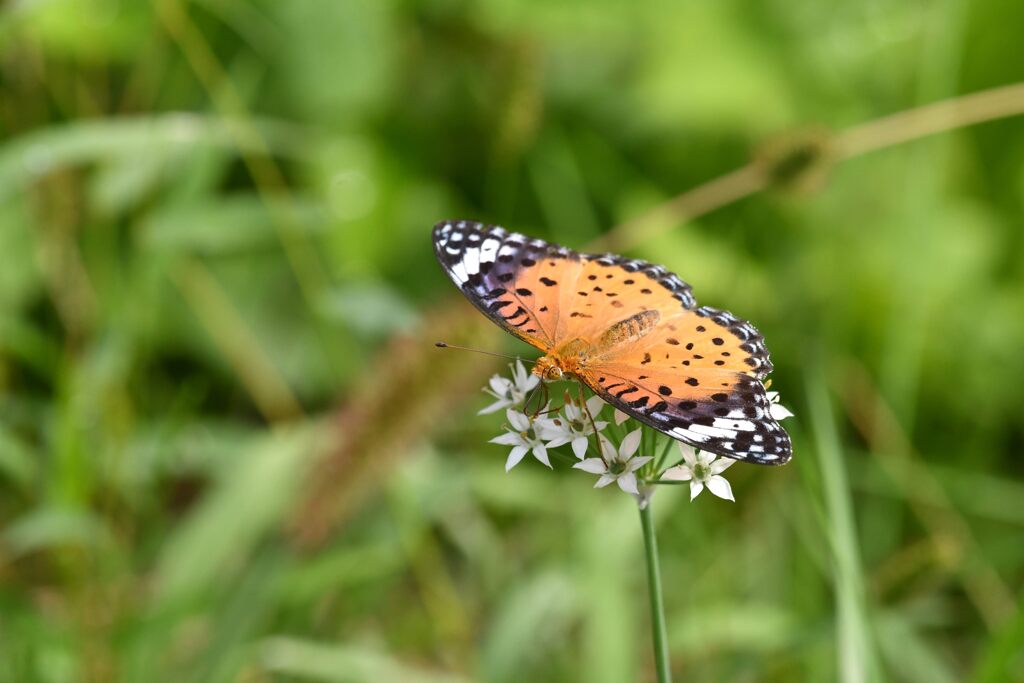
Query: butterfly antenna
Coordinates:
[445,345]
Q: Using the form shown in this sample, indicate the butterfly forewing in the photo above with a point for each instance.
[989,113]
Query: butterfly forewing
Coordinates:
[516,281]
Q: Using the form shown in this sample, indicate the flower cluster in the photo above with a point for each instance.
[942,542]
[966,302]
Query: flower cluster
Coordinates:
[617,464]
[575,423]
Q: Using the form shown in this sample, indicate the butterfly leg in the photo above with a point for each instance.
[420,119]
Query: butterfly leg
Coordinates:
[549,411]
[593,425]
[543,389]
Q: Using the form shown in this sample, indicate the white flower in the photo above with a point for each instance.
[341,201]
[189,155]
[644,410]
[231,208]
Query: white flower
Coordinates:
[618,466]
[701,469]
[524,437]
[777,410]
[574,427]
[620,417]
[510,392]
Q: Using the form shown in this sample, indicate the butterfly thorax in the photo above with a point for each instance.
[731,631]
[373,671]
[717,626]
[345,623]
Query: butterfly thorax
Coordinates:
[571,357]
[568,359]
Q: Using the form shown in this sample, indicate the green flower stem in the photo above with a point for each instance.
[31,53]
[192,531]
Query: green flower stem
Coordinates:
[657,603]
[562,457]
[659,463]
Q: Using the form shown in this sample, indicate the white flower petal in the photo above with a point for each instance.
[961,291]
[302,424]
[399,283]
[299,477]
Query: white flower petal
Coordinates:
[508,439]
[773,396]
[552,427]
[592,465]
[598,425]
[620,417]
[688,452]
[579,446]
[515,456]
[721,465]
[627,482]
[595,404]
[604,481]
[493,408]
[779,411]
[518,372]
[499,385]
[531,383]
[629,444]
[636,463]
[706,458]
[559,440]
[518,420]
[695,488]
[541,454]
[607,449]
[720,487]
[678,473]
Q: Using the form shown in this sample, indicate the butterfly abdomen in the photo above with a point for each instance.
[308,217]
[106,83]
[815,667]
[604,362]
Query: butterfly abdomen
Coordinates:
[628,330]
[572,356]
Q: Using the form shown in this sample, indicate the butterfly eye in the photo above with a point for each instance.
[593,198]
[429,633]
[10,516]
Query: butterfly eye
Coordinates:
[554,372]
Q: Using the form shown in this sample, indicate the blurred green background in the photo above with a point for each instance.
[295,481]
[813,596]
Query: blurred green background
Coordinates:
[229,451]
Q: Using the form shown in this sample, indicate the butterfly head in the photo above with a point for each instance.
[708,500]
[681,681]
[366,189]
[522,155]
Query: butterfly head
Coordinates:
[548,368]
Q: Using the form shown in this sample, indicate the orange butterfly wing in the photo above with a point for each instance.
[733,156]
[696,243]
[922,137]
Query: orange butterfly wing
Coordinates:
[695,376]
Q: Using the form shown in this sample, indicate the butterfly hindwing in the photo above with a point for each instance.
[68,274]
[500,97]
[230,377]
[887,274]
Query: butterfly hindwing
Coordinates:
[722,412]
[697,377]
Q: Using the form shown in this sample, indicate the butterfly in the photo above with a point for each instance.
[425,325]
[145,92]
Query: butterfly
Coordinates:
[629,330]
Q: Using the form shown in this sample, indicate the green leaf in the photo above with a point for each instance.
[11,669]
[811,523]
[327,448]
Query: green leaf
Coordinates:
[531,621]
[343,663]
[16,460]
[245,505]
[48,528]
[229,225]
